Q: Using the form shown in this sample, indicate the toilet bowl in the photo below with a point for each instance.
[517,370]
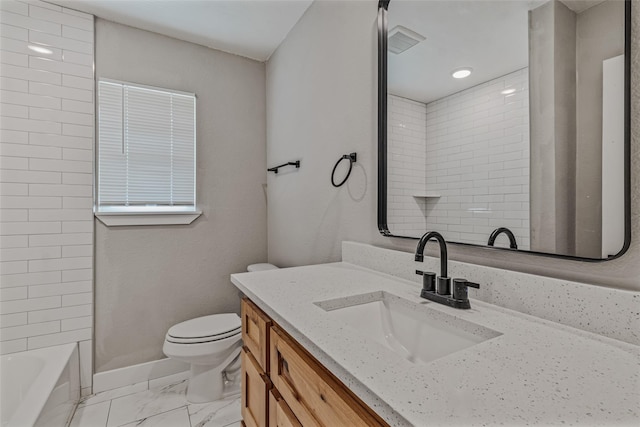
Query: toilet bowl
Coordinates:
[211,344]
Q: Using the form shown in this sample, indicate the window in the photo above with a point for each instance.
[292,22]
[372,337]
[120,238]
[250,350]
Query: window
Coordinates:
[146,152]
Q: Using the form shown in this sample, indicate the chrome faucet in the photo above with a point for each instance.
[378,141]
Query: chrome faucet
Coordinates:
[438,289]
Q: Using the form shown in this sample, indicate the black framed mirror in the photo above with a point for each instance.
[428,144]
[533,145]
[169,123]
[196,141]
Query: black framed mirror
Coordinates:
[506,124]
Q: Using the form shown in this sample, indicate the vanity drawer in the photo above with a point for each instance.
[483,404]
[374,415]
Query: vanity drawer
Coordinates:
[255,332]
[314,395]
[280,415]
[255,389]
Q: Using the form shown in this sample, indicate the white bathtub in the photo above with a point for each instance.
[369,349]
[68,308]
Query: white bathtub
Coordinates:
[39,387]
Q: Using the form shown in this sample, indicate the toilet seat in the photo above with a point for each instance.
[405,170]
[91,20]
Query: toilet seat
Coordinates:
[205,329]
[202,340]
[202,352]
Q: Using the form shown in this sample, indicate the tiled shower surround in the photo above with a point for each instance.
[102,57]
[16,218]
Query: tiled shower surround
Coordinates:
[46,196]
[406,160]
[476,162]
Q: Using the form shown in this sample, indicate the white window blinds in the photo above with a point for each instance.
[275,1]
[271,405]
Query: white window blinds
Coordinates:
[146,149]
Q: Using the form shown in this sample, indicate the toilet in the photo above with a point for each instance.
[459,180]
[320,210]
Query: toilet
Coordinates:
[211,344]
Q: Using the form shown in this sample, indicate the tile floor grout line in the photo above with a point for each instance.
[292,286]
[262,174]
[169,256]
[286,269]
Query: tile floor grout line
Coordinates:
[106,423]
[146,391]
[216,411]
[82,400]
[186,407]
[137,421]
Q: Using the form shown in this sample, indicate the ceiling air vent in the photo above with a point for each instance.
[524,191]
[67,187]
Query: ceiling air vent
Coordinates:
[401,39]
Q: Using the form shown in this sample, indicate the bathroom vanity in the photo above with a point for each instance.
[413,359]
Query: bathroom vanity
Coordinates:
[314,355]
[283,385]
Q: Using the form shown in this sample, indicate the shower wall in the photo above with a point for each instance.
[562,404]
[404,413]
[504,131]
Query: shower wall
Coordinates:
[46,177]
[475,163]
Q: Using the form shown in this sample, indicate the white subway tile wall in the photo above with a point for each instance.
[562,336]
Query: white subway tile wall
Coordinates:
[46,177]
[476,161]
[406,172]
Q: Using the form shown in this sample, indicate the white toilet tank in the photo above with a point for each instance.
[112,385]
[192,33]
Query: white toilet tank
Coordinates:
[261,267]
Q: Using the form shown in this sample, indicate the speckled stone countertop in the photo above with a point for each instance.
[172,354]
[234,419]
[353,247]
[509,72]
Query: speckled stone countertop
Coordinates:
[535,373]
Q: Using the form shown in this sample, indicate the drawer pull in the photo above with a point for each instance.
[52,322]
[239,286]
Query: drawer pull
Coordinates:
[315,397]
[283,371]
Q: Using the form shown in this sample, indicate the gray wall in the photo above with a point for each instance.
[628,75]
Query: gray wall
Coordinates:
[566,123]
[322,101]
[595,42]
[552,95]
[321,104]
[151,277]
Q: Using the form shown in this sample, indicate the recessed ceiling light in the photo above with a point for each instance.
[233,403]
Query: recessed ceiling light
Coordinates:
[461,73]
[40,49]
[508,91]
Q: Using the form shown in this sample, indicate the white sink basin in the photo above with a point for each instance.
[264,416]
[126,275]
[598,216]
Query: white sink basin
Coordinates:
[410,329]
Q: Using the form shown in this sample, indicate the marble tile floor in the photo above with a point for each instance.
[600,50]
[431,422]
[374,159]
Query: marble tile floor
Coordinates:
[162,406]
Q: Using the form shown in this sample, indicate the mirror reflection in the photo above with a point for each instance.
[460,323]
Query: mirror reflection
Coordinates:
[506,123]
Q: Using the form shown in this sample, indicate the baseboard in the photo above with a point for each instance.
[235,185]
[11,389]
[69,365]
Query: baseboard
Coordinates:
[148,371]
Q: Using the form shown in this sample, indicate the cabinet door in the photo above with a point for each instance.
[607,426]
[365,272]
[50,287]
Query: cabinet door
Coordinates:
[315,397]
[255,386]
[255,332]
[280,415]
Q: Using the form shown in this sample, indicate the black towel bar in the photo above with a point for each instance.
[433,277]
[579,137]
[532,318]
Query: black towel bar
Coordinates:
[275,168]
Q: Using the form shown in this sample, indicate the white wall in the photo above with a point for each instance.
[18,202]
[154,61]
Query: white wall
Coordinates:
[46,168]
[149,278]
[594,44]
[478,161]
[612,155]
[406,166]
[471,150]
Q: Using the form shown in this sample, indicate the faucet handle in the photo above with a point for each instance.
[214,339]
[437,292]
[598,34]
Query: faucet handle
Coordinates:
[428,280]
[460,291]
[473,285]
[443,286]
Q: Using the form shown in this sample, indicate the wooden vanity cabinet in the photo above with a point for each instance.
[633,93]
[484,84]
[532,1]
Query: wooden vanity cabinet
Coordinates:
[255,332]
[293,389]
[255,386]
[280,415]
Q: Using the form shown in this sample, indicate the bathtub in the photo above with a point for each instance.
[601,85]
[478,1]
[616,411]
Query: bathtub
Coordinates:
[39,387]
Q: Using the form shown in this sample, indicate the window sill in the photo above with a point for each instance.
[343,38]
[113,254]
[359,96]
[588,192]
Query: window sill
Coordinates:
[116,219]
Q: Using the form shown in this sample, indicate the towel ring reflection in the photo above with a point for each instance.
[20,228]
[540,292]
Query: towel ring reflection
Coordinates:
[352,159]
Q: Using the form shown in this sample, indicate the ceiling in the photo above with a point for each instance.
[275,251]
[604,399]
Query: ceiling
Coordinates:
[579,6]
[250,28]
[489,36]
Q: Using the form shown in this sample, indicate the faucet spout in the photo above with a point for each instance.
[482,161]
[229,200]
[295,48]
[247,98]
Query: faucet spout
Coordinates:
[443,250]
[497,232]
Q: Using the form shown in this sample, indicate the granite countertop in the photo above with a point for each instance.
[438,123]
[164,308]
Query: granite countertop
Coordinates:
[535,373]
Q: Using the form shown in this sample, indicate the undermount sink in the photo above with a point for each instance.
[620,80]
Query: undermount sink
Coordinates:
[411,329]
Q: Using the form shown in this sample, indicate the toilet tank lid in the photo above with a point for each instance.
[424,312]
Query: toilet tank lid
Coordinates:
[261,267]
[206,326]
